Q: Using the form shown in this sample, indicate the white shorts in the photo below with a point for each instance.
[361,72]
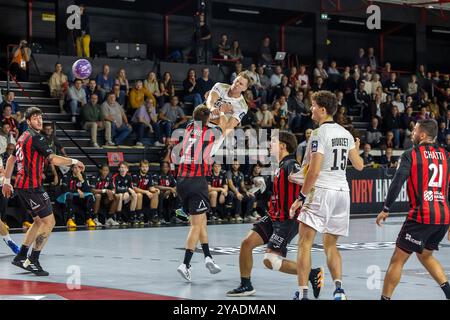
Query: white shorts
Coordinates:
[327,211]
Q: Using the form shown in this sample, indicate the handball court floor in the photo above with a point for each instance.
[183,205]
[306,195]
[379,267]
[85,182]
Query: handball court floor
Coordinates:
[141,263]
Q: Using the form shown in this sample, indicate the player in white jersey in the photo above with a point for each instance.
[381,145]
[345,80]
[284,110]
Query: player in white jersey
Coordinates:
[325,196]
[226,102]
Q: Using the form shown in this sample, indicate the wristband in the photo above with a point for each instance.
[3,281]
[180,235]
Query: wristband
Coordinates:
[7,181]
[386,209]
[301,197]
[103,190]
[74,161]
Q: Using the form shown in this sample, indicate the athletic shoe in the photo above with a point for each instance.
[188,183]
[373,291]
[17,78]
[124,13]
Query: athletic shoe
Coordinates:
[156,222]
[339,294]
[35,267]
[71,224]
[90,223]
[239,219]
[26,225]
[242,291]
[297,296]
[97,222]
[250,219]
[12,245]
[110,144]
[180,214]
[159,144]
[139,144]
[141,220]
[19,261]
[317,279]
[185,272]
[211,266]
[109,222]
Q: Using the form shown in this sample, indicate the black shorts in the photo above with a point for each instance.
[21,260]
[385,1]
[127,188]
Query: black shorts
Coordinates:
[194,196]
[35,201]
[414,236]
[277,235]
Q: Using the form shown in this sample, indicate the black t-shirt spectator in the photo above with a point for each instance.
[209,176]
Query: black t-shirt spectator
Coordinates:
[392,86]
[187,85]
[204,86]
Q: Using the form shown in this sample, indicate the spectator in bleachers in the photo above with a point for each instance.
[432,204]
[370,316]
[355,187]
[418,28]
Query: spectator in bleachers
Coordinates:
[361,59]
[293,76]
[376,85]
[319,84]
[444,106]
[202,41]
[367,157]
[264,117]
[138,95]
[319,71]
[124,193]
[122,81]
[278,90]
[304,78]
[257,185]
[388,140]
[104,82]
[407,117]
[58,85]
[446,120]
[10,150]
[399,103]
[265,53]
[82,35]
[421,72]
[204,83]
[276,77]
[423,114]
[4,139]
[442,133]
[262,85]
[447,143]
[152,85]
[13,124]
[114,113]
[217,191]
[167,185]
[296,110]
[91,89]
[371,59]
[190,89]
[393,123]
[413,86]
[145,120]
[252,103]
[224,48]
[388,160]
[20,59]
[332,69]
[239,194]
[237,69]
[103,189]
[75,190]
[362,100]
[392,86]
[301,149]
[347,88]
[52,141]
[279,117]
[23,126]
[379,92]
[235,51]
[342,119]
[166,87]
[410,103]
[91,119]
[120,97]
[9,99]
[386,73]
[147,195]
[434,107]
[373,134]
[76,97]
[367,71]
[377,108]
[367,80]
[173,114]
[407,141]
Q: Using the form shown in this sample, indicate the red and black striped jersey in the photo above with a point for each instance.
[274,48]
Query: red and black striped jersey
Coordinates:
[165,180]
[97,182]
[31,152]
[284,192]
[217,181]
[428,184]
[143,182]
[70,183]
[122,184]
[196,156]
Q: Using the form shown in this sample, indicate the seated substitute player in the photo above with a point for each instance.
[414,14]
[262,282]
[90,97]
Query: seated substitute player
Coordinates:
[167,185]
[124,193]
[217,190]
[277,229]
[103,190]
[77,191]
[147,195]
[196,159]
[4,232]
[426,168]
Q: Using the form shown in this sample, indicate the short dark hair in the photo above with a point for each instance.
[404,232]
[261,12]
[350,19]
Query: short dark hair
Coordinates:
[429,127]
[104,166]
[144,162]
[289,140]
[7,105]
[47,125]
[74,81]
[326,99]
[31,111]
[201,113]
[124,163]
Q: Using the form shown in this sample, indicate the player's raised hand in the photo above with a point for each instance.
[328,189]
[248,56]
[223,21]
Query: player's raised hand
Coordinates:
[226,107]
[381,217]
[295,206]
[81,166]
[357,143]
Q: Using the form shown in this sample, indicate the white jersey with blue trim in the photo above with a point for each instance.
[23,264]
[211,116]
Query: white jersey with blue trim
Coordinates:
[239,105]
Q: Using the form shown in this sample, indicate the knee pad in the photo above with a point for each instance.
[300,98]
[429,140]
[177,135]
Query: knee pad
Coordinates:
[275,261]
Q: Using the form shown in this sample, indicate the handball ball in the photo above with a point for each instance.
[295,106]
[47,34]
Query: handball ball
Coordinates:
[81,69]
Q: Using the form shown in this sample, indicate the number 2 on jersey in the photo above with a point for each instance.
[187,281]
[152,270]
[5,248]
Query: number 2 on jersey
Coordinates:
[434,183]
[343,159]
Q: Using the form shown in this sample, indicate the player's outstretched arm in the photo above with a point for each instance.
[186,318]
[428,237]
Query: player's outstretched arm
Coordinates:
[7,188]
[355,159]
[63,161]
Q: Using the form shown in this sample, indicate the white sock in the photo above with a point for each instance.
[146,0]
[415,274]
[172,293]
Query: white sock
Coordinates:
[7,237]
[303,292]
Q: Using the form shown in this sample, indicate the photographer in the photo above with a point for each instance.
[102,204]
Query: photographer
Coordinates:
[19,63]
